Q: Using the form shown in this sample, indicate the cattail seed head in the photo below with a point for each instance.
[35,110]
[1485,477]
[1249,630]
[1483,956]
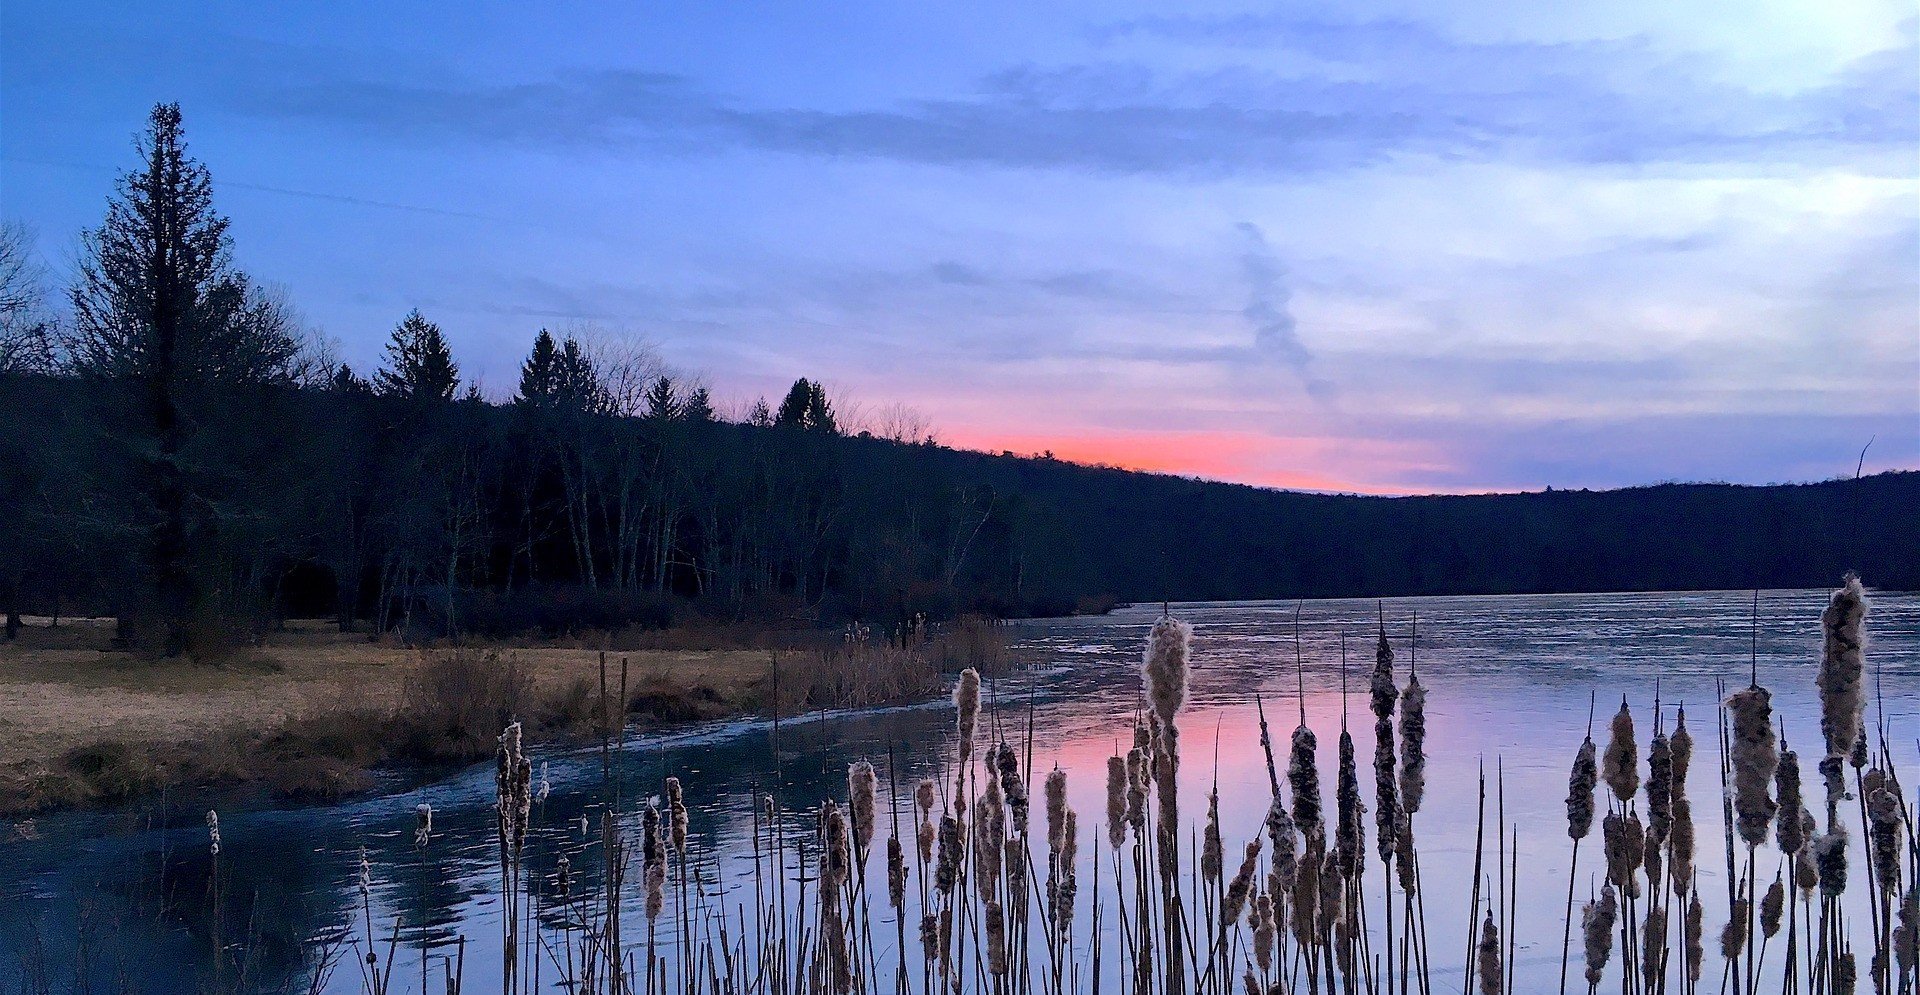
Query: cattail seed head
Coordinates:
[1212,846]
[1405,857]
[1303,776]
[1772,906]
[1487,957]
[1350,826]
[1754,757]
[1117,783]
[213,833]
[1681,743]
[422,824]
[862,786]
[1659,787]
[1846,974]
[1906,935]
[896,874]
[1386,786]
[1733,936]
[1787,829]
[1694,935]
[1597,920]
[1842,666]
[1013,787]
[1242,884]
[1884,811]
[1580,791]
[1164,667]
[947,870]
[1285,840]
[1056,796]
[1413,745]
[966,706]
[1830,859]
[1263,931]
[923,796]
[1806,871]
[1680,846]
[996,939]
[677,816]
[1620,767]
[1653,934]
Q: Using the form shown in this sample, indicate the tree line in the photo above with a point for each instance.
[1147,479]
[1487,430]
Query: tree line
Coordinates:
[181,455]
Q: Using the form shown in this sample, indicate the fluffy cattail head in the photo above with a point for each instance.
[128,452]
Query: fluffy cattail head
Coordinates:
[1264,928]
[923,796]
[1906,936]
[1681,846]
[996,939]
[1303,776]
[1282,834]
[1754,757]
[213,833]
[1056,795]
[1830,859]
[1660,787]
[1013,787]
[1596,931]
[1842,666]
[1242,884]
[1733,936]
[1164,667]
[966,706]
[947,870]
[677,815]
[1487,957]
[1681,743]
[1621,766]
[1212,848]
[1772,906]
[862,785]
[1580,790]
[1694,931]
[422,824]
[1413,745]
[1350,826]
[1653,934]
[1137,789]
[1884,811]
[896,873]
[1787,830]
[1116,801]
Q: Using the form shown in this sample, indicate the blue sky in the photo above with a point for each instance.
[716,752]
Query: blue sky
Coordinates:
[1383,246]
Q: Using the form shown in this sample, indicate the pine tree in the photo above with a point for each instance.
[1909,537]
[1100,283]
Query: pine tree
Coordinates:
[420,366]
[806,407]
[698,407]
[540,374]
[577,385]
[663,401]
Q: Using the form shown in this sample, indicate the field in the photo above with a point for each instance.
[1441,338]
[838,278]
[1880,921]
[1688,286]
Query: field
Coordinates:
[311,710]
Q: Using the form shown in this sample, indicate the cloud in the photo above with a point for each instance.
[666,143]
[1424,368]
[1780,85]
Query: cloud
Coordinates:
[1275,333]
[1356,95]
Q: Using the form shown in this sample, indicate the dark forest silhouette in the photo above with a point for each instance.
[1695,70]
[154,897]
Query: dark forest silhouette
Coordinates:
[176,456]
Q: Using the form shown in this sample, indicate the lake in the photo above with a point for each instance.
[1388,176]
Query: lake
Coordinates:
[96,899]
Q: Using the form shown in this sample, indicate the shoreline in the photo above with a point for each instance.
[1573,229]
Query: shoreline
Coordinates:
[312,714]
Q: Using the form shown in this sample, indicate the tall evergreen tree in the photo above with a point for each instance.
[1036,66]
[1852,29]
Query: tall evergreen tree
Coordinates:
[160,316]
[663,400]
[577,381]
[806,406]
[420,365]
[539,375]
[698,407]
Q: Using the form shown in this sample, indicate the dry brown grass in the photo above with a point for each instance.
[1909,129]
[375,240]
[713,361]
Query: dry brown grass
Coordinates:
[309,711]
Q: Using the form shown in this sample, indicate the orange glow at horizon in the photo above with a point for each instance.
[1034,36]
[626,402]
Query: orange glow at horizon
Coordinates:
[1242,457]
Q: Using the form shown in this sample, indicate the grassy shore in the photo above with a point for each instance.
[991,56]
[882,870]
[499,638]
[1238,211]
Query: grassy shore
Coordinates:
[311,711]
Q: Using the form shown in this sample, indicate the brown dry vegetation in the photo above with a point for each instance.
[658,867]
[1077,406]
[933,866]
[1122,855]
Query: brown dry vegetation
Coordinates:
[310,711]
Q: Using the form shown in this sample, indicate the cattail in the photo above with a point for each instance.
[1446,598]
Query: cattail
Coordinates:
[1694,930]
[924,836]
[1906,936]
[1806,871]
[1830,859]
[563,877]
[1754,757]
[1680,846]
[1620,766]
[1263,931]
[1304,900]
[966,705]
[923,796]
[213,833]
[1882,795]
[1787,829]
[947,872]
[1772,906]
[546,786]
[1597,919]
[1056,795]
[1733,936]
[1653,934]
[1846,974]
[1413,745]
[1488,956]
[1284,837]
[1137,790]
[1580,789]
[1012,786]
[1164,668]
[1650,858]
[1842,693]
[653,854]
[1350,826]
[1386,788]
[1303,776]
[1404,857]
[1212,848]
[1236,897]
[896,873]
[1332,895]
[1659,788]
[365,878]
[1623,846]
[989,840]
[422,824]
[996,939]
[862,785]
[1681,743]
[677,814]
[1069,839]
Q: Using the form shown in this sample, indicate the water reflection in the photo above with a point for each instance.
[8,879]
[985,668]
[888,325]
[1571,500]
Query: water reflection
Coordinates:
[124,894]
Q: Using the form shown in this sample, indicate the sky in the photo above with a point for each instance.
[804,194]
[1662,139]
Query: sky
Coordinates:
[1387,246]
